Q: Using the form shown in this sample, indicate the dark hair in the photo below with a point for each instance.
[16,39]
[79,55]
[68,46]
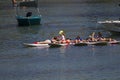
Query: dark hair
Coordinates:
[100,34]
[29,14]
[78,37]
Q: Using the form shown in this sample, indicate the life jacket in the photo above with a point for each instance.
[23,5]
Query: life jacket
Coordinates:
[68,41]
[65,41]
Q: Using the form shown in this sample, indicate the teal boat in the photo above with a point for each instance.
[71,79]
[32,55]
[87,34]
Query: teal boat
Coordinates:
[28,21]
[27,12]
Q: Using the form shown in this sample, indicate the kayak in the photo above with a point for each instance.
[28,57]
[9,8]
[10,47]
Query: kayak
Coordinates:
[98,43]
[35,45]
[81,44]
[52,45]
[114,42]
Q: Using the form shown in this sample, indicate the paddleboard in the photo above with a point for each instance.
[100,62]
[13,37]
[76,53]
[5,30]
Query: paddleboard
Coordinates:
[35,45]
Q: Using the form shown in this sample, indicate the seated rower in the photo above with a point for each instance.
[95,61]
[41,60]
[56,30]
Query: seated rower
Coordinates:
[100,37]
[91,38]
[53,40]
[78,39]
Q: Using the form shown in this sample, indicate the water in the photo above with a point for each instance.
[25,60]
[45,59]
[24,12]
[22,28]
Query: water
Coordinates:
[66,63]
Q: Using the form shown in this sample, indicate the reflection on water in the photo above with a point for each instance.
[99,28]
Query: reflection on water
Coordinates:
[63,49]
[29,29]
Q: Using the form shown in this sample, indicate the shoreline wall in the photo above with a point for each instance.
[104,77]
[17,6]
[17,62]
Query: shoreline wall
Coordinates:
[4,4]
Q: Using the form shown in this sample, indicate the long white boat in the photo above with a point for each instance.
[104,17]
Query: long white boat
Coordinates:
[35,45]
[111,25]
[98,43]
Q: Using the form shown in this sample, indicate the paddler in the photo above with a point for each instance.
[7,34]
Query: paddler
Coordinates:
[62,36]
[92,37]
[78,39]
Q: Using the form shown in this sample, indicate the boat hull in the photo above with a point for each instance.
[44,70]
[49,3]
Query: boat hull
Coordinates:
[98,43]
[114,42]
[80,44]
[112,26]
[35,45]
[28,21]
[54,45]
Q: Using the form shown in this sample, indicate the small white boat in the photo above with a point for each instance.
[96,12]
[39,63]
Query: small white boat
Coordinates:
[35,45]
[111,25]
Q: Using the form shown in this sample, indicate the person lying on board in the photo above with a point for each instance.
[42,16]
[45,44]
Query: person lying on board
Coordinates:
[43,42]
[55,40]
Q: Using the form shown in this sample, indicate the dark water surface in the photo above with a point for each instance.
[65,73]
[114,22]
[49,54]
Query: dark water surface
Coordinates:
[66,63]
